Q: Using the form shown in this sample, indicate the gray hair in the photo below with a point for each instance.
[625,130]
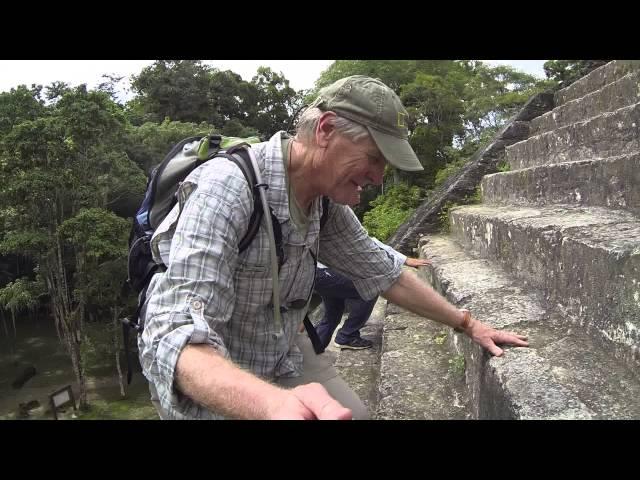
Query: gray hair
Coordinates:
[306,128]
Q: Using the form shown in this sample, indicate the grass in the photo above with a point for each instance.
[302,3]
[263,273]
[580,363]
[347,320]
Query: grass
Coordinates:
[136,406]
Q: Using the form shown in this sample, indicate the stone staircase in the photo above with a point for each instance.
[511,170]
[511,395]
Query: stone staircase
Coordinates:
[553,252]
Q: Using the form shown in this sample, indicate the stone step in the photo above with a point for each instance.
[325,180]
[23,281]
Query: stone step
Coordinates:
[609,182]
[595,80]
[564,374]
[420,377]
[621,93]
[607,135]
[586,260]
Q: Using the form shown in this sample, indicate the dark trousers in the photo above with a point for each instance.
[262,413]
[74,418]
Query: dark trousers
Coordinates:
[335,289]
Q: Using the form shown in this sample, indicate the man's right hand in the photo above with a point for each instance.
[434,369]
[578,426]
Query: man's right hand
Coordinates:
[307,402]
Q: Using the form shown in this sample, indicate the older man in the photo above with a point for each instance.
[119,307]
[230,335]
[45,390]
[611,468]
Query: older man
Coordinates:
[212,347]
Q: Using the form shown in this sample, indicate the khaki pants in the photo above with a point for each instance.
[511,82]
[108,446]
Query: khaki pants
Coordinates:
[317,368]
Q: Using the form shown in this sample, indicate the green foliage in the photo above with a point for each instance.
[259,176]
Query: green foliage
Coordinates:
[391,210]
[393,73]
[476,197]
[177,89]
[564,72]
[443,215]
[98,232]
[493,94]
[149,143]
[97,348]
[19,105]
[25,242]
[503,166]
[191,92]
[276,102]
[20,295]
[449,170]
[100,237]
[440,338]
[457,365]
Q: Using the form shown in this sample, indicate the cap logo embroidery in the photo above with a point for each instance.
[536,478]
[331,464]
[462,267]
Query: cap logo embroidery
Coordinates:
[401,120]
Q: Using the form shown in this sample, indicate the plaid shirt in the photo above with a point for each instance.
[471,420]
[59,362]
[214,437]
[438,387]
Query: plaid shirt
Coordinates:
[212,294]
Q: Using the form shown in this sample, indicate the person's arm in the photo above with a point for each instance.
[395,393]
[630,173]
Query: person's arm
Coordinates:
[410,262]
[216,383]
[418,297]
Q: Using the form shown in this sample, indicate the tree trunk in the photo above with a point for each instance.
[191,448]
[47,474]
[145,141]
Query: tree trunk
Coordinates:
[13,319]
[10,342]
[4,322]
[81,299]
[78,369]
[116,345]
[53,305]
[65,318]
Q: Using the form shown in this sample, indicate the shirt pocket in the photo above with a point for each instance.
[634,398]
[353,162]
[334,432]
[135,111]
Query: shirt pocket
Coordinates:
[253,285]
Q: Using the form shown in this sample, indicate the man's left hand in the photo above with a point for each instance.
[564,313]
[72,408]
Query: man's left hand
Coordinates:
[488,337]
[417,262]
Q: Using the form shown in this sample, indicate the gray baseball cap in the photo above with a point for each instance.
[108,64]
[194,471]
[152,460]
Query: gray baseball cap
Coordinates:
[371,103]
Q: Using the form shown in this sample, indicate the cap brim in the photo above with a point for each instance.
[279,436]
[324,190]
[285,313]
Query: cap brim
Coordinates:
[396,151]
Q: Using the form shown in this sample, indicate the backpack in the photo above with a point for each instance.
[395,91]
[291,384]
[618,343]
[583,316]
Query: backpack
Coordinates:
[159,200]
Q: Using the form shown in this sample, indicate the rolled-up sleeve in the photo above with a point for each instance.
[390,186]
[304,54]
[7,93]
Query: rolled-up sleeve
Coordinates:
[388,248]
[346,247]
[193,299]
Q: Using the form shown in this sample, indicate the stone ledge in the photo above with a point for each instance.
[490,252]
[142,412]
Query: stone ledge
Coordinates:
[564,374]
[608,182]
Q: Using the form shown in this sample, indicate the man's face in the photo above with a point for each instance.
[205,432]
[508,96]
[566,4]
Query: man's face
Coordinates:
[353,165]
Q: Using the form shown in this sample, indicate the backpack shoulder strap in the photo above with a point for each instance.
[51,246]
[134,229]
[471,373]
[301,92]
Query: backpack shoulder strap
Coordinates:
[238,155]
[325,211]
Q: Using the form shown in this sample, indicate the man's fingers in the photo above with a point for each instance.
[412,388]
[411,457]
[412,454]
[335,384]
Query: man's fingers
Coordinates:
[324,407]
[521,337]
[335,411]
[330,409]
[495,350]
[511,339]
[504,338]
[518,342]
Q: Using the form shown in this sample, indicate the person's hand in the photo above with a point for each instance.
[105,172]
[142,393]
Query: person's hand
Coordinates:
[417,262]
[488,337]
[307,402]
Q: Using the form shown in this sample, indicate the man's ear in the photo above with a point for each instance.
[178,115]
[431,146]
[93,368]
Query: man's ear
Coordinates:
[325,129]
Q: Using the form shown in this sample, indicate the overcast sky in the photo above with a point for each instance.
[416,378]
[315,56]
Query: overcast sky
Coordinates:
[301,73]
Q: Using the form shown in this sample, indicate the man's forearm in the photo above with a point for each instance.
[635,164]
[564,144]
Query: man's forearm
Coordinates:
[416,296]
[211,380]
